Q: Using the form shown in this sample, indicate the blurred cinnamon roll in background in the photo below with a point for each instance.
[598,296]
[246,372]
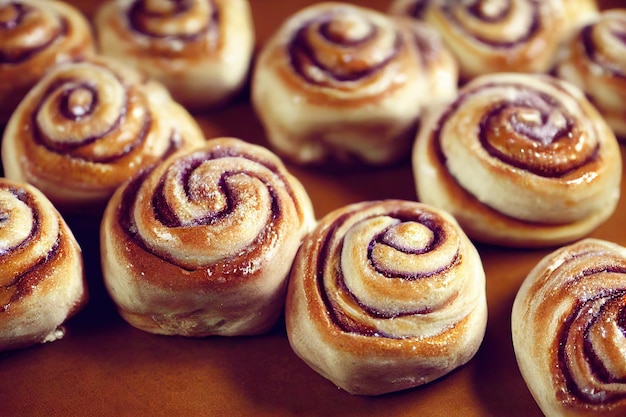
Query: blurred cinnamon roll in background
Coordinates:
[489,36]
[87,126]
[595,61]
[42,281]
[35,35]
[200,50]
[339,84]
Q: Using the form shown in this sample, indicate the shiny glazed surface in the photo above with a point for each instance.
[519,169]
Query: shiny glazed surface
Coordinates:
[103,366]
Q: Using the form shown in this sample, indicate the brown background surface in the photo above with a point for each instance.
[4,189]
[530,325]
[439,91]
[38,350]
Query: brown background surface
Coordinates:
[104,367]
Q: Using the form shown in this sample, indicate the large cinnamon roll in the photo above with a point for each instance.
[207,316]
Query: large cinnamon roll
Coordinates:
[595,60]
[202,244]
[199,49]
[343,84]
[42,281]
[386,295]
[520,160]
[86,127]
[501,35]
[569,330]
[35,35]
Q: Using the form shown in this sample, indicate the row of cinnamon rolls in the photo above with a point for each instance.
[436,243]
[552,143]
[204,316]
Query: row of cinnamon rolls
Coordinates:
[200,50]
[216,237]
[520,159]
[378,296]
[336,52]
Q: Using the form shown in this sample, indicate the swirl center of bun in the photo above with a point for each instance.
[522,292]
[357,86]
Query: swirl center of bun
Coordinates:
[79,101]
[343,46]
[390,271]
[203,207]
[539,130]
[537,134]
[173,18]
[491,10]
[82,112]
[496,22]
[605,41]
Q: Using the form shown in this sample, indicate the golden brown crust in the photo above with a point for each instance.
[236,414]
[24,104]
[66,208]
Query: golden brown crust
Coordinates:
[520,160]
[86,127]
[202,244]
[42,282]
[385,296]
[595,61]
[569,330]
[345,84]
[36,35]
[200,50]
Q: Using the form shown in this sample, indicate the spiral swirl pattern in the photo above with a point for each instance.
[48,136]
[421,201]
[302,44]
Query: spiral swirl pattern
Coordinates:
[90,126]
[176,20]
[341,47]
[199,49]
[210,234]
[27,30]
[41,269]
[29,238]
[502,23]
[605,41]
[569,330]
[384,274]
[595,62]
[388,275]
[347,85]
[223,192]
[506,35]
[34,36]
[529,147]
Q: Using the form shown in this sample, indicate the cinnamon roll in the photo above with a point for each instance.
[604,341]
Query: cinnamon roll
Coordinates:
[385,296]
[202,243]
[199,49]
[520,160]
[342,84]
[569,330]
[489,36]
[595,60]
[35,35]
[42,282]
[86,127]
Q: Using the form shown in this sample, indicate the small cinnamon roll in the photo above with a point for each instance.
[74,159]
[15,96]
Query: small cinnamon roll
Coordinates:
[489,36]
[199,49]
[86,127]
[385,296]
[202,243]
[520,160]
[340,84]
[595,61]
[569,330]
[42,282]
[35,35]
